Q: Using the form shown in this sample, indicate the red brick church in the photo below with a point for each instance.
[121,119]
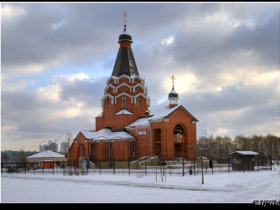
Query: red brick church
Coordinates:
[126,129]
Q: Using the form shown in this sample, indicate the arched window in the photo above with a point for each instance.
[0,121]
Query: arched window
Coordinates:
[82,151]
[140,102]
[108,103]
[178,129]
[123,97]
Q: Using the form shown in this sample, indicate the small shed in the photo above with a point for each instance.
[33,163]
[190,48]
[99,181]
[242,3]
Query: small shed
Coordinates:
[244,160]
[47,159]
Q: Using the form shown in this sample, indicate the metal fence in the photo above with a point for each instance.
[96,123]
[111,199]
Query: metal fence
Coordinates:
[141,167]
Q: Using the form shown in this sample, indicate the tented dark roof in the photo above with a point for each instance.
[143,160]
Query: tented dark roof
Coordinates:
[125,63]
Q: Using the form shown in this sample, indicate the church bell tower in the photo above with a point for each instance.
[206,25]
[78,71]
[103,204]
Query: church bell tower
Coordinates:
[125,95]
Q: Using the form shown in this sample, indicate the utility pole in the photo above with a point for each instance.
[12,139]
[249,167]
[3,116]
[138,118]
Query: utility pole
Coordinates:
[68,148]
[202,170]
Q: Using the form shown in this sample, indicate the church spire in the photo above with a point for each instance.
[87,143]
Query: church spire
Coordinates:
[173,95]
[125,63]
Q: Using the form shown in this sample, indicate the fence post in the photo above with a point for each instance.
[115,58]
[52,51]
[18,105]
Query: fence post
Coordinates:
[63,166]
[202,170]
[145,167]
[156,173]
[228,164]
[270,162]
[183,167]
[114,167]
[128,167]
[194,166]
[100,166]
[74,164]
[257,164]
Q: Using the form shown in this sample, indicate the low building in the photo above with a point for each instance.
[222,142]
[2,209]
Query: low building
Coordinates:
[243,160]
[45,157]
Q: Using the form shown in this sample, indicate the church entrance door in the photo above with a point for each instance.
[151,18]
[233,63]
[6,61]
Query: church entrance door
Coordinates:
[82,151]
[157,136]
[178,150]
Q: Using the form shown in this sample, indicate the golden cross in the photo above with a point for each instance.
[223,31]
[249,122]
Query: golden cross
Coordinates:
[173,78]
[124,16]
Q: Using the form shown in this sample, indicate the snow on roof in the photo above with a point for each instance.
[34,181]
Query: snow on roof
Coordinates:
[100,115]
[140,122]
[106,134]
[158,115]
[46,154]
[173,91]
[123,111]
[246,153]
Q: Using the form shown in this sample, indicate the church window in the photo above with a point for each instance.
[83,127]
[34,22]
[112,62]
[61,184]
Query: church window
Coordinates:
[140,101]
[123,87]
[123,101]
[108,103]
[133,150]
[178,129]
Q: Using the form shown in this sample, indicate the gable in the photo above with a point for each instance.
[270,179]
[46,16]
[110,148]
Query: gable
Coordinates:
[185,111]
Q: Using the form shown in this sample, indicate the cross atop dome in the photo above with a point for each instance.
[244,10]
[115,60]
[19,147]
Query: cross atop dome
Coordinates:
[124,17]
[173,78]
[125,63]
[124,20]
[173,95]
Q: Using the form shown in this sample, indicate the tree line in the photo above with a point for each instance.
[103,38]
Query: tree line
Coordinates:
[219,148]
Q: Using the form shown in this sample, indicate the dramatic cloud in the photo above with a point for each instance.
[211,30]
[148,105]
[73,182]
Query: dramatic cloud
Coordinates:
[56,58]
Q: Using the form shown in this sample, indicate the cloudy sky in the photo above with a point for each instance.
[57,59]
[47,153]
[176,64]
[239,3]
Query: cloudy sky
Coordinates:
[56,57]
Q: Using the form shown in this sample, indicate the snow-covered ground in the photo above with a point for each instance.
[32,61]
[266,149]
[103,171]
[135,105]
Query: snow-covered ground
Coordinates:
[225,187]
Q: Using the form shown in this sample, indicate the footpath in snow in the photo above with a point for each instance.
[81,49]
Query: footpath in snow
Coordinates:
[224,187]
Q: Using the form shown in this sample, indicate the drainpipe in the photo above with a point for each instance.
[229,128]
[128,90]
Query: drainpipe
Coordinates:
[89,152]
[151,149]
[109,153]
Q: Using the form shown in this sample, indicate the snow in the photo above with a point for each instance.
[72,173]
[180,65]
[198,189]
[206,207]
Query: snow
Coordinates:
[246,153]
[100,114]
[46,154]
[123,111]
[233,187]
[173,91]
[158,115]
[106,134]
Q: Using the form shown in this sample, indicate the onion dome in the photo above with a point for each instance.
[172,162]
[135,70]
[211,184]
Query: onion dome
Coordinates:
[125,36]
[173,93]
